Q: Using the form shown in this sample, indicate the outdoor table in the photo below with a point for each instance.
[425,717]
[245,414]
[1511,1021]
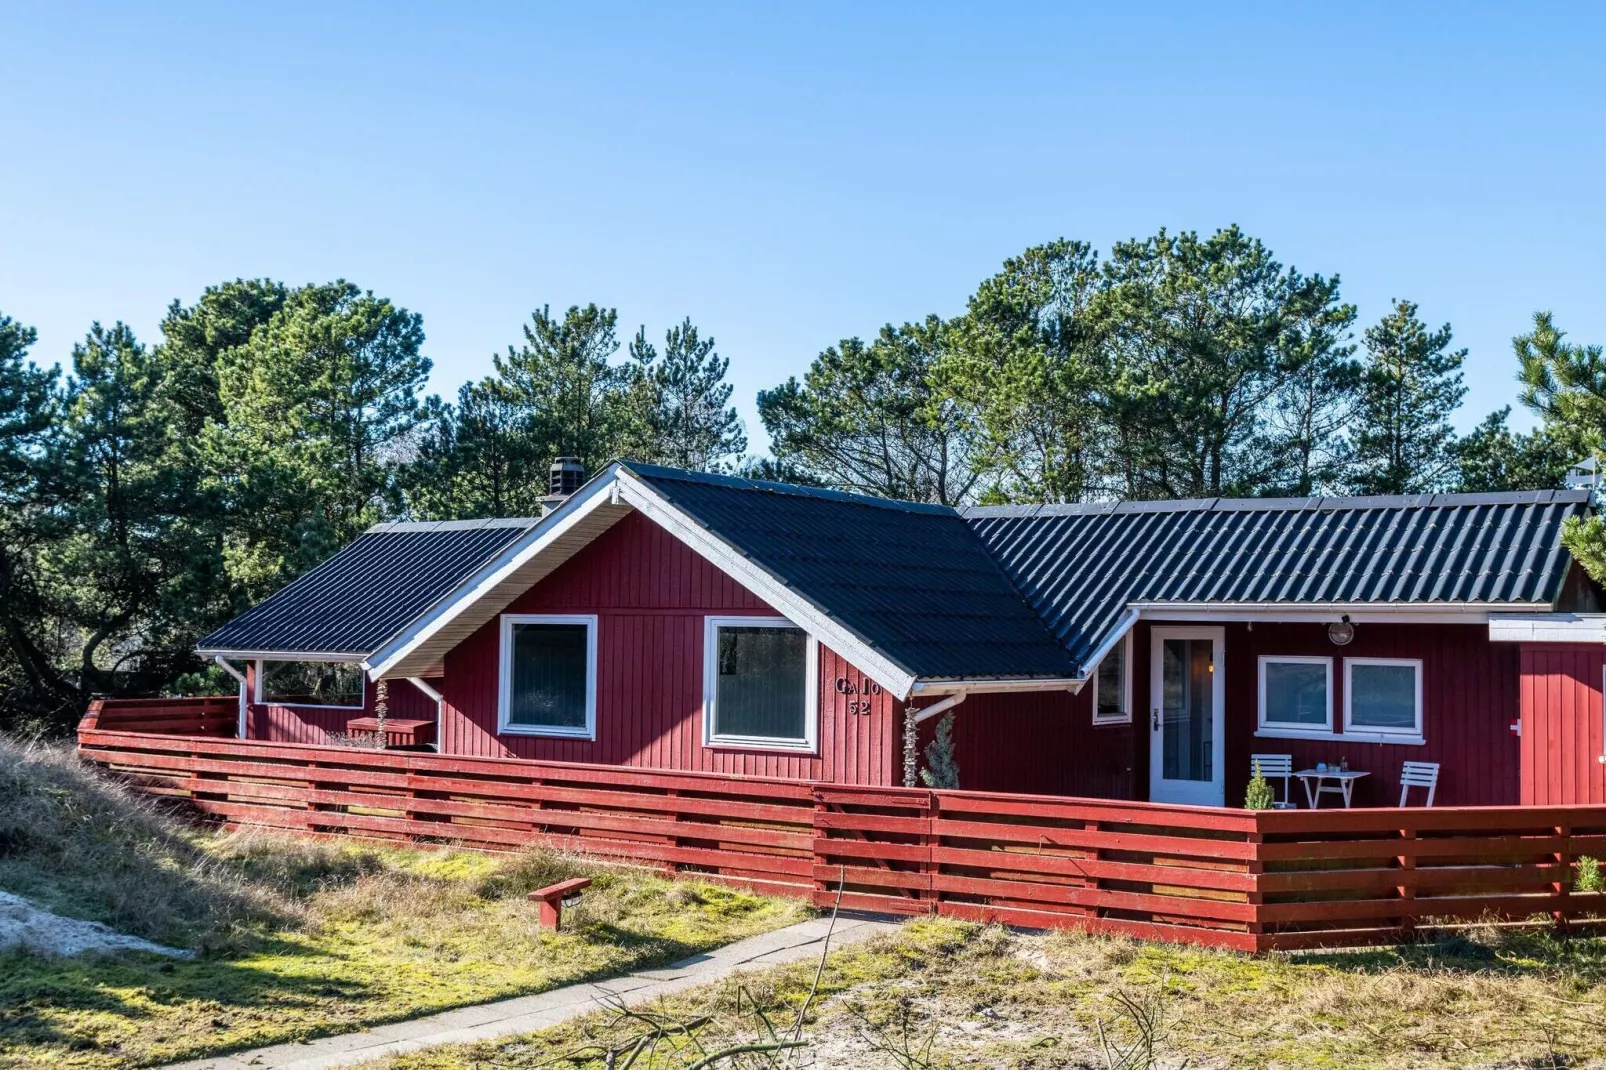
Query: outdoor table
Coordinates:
[1345,785]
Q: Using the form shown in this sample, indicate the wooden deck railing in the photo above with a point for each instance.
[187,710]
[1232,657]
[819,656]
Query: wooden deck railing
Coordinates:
[210,715]
[1251,881]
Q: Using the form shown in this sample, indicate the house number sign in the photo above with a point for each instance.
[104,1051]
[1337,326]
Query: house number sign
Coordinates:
[854,689]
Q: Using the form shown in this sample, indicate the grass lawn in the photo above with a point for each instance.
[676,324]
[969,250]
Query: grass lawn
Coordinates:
[946,994]
[295,938]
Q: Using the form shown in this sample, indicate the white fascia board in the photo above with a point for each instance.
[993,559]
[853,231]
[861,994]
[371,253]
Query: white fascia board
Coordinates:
[277,655]
[1548,628]
[1118,633]
[492,574]
[1358,612]
[987,685]
[788,602]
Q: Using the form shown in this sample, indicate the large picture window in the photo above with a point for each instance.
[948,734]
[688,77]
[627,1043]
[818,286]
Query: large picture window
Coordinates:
[759,684]
[1296,696]
[548,676]
[1383,699]
[1112,698]
[337,684]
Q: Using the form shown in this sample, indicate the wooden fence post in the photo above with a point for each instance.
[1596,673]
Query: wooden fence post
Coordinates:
[1562,888]
[1406,890]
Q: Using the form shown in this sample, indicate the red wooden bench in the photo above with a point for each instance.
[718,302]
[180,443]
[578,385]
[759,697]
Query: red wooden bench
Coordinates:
[552,899]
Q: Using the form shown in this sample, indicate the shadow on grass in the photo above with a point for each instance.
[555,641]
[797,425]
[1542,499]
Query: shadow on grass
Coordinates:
[140,1009]
[1508,953]
[77,1004]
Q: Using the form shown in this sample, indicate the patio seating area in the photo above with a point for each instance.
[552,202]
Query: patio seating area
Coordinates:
[1340,781]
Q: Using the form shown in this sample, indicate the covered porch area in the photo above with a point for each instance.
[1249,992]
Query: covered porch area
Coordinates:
[1183,701]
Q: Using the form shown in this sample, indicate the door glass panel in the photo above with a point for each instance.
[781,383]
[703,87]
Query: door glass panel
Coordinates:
[1188,720]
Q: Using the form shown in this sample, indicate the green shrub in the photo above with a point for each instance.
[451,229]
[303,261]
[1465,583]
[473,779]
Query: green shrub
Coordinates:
[1589,877]
[1259,796]
[942,767]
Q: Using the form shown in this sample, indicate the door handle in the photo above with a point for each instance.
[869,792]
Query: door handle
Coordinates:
[1155,723]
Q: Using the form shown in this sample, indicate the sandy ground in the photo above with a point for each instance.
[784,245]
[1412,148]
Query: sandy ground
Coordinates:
[24,925]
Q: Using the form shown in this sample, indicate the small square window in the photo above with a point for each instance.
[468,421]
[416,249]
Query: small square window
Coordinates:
[1296,696]
[1383,698]
[548,676]
[335,684]
[759,684]
[1112,695]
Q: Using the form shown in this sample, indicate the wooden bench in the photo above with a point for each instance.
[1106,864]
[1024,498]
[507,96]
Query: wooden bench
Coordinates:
[551,899]
[399,731]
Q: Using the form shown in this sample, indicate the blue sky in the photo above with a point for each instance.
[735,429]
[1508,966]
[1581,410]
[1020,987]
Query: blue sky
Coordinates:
[788,176]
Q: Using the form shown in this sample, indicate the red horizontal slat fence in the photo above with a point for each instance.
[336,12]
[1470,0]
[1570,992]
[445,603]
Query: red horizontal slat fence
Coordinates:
[1232,878]
[211,715]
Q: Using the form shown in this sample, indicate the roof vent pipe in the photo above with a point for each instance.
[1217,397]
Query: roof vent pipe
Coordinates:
[563,479]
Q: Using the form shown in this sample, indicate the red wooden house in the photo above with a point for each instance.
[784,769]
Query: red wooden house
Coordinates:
[674,620]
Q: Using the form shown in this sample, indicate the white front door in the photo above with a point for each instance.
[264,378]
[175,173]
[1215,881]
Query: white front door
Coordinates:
[1187,722]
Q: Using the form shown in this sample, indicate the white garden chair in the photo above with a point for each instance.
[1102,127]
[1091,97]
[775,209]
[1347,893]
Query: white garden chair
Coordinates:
[1276,767]
[1419,775]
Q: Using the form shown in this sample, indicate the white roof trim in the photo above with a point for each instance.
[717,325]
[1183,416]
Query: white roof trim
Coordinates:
[582,504]
[1548,628]
[1358,612]
[788,602]
[1116,635]
[277,655]
[997,685]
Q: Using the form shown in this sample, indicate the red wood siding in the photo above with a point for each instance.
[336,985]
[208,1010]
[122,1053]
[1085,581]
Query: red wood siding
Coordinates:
[1041,743]
[313,724]
[1046,742]
[1562,724]
[650,594]
[1469,701]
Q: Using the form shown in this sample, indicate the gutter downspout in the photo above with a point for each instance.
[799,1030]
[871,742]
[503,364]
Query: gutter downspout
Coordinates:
[239,731]
[911,732]
[418,682]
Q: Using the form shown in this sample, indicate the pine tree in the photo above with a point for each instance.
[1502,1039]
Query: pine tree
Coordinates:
[577,401]
[942,766]
[31,687]
[1403,442]
[318,405]
[681,410]
[480,458]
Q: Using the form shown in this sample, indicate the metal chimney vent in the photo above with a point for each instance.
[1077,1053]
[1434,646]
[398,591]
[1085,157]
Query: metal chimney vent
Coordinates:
[565,477]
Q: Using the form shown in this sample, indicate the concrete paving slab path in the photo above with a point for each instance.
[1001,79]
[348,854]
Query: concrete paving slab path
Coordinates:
[525,1014]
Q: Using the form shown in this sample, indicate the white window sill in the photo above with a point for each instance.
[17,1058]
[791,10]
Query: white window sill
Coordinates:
[554,733]
[1358,736]
[780,746]
[1276,732]
[1109,722]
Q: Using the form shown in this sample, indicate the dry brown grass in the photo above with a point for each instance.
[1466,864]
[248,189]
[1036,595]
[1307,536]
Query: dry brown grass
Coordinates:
[943,995]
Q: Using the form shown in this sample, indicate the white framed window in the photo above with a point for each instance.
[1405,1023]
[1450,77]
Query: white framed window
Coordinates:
[548,676]
[1296,696]
[760,684]
[1112,685]
[334,685]
[1383,699]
